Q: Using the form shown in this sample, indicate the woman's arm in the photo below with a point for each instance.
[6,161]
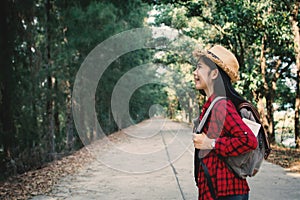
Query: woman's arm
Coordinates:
[241,138]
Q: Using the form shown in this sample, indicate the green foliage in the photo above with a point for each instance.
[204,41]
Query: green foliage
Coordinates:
[240,25]
[45,43]
[48,41]
[144,98]
[172,16]
[259,33]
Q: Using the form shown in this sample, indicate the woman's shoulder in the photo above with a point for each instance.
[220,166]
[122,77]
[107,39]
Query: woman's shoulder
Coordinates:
[225,103]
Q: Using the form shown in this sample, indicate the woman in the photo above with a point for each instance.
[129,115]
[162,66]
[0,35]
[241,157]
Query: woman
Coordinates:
[224,133]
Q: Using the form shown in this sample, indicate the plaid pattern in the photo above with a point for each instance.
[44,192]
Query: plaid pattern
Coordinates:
[233,137]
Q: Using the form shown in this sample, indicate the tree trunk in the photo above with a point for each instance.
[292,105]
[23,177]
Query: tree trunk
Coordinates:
[270,116]
[57,133]
[69,122]
[295,29]
[50,102]
[267,118]
[6,79]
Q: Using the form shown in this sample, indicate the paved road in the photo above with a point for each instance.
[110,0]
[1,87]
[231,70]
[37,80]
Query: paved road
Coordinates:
[154,160]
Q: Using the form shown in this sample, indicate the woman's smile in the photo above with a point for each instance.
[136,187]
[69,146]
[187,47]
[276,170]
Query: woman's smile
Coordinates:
[196,80]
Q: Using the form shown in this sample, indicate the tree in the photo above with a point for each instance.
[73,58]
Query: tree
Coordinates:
[45,42]
[294,20]
[248,29]
[7,80]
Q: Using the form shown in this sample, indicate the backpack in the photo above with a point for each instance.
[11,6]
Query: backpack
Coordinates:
[247,164]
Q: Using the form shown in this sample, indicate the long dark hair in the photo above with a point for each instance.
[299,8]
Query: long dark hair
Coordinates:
[223,85]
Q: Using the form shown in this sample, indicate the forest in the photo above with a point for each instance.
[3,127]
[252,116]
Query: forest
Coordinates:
[44,43]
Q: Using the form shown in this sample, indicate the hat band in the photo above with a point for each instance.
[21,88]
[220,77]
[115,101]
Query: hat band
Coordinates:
[214,55]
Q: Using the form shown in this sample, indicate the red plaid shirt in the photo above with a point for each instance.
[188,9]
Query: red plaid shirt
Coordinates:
[233,137]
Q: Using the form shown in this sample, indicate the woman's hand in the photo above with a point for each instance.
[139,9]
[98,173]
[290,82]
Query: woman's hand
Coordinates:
[201,141]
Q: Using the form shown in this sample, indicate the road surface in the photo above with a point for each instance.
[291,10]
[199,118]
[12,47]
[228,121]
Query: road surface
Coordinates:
[154,160]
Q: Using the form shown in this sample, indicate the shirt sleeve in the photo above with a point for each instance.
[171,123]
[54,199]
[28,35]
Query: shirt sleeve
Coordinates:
[239,138]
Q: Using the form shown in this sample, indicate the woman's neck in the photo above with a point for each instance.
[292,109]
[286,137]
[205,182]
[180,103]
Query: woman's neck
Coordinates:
[208,92]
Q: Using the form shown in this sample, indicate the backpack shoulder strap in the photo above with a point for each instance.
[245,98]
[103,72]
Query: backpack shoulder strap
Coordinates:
[250,107]
[205,116]
[198,130]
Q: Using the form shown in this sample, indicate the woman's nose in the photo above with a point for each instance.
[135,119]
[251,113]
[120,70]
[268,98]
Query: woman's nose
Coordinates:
[195,72]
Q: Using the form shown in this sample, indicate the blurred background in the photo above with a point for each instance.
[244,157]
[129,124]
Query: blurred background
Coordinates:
[44,42]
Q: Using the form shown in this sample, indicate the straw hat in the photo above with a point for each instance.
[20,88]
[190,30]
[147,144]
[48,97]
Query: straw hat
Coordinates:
[225,60]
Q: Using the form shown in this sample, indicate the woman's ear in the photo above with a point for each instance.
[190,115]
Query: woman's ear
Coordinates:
[214,73]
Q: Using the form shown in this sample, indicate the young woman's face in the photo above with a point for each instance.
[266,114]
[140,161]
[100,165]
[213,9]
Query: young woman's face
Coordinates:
[203,77]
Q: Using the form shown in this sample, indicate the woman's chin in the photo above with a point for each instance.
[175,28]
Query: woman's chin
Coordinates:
[198,86]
